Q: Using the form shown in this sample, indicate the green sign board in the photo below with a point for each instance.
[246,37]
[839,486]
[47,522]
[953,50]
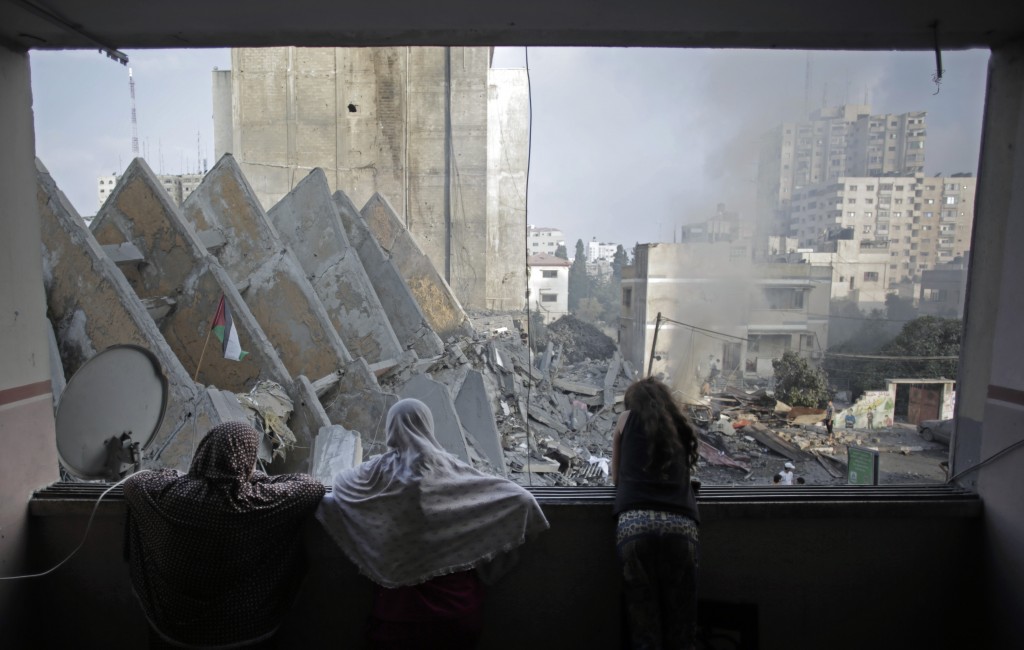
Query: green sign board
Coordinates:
[861,466]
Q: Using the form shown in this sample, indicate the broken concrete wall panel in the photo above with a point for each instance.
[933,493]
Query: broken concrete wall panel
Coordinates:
[447,425]
[274,285]
[435,297]
[140,212]
[93,308]
[407,320]
[475,408]
[308,222]
[225,202]
[357,402]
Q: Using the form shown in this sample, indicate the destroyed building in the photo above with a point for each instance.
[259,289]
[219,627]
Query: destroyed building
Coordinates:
[437,131]
[719,306]
[338,308]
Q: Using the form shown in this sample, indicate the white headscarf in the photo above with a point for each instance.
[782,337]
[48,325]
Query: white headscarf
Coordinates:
[417,512]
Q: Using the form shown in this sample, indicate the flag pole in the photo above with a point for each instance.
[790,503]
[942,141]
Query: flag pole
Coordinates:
[202,354]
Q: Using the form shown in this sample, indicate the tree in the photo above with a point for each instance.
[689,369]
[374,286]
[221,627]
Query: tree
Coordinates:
[620,260]
[589,309]
[797,383]
[899,309]
[561,252]
[579,283]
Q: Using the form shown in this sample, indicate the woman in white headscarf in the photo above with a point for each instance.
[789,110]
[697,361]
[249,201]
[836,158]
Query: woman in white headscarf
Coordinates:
[419,522]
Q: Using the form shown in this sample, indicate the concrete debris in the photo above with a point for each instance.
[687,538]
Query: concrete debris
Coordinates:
[336,449]
[347,298]
[271,407]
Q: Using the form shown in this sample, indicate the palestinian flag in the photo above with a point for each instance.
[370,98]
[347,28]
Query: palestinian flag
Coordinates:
[225,330]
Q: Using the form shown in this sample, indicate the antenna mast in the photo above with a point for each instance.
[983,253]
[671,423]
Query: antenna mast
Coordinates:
[135,124]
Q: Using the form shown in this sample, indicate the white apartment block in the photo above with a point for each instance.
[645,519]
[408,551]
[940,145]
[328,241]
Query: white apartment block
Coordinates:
[179,186]
[918,221]
[549,286]
[600,251]
[544,240]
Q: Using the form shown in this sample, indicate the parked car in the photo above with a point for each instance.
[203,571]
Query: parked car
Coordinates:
[938,430]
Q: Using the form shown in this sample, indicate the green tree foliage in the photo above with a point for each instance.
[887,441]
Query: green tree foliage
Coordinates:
[899,309]
[589,310]
[579,283]
[797,383]
[620,260]
[927,336]
[561,252]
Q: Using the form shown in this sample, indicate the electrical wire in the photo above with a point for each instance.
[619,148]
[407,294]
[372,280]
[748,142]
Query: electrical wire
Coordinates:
[526,256]
[979,465]
[85,535]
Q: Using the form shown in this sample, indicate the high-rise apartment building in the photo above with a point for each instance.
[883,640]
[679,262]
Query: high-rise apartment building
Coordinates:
[921,221]
[836,141]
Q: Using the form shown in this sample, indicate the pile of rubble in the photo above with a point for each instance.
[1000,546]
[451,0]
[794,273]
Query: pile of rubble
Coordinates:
[580,340]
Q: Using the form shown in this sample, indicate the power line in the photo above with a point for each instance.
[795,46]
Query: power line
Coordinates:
[701,329]
[841,355]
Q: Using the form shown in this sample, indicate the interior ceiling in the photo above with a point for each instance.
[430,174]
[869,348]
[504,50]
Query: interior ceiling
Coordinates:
[791,24]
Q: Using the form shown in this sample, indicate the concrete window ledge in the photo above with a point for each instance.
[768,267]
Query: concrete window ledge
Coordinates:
[716,503]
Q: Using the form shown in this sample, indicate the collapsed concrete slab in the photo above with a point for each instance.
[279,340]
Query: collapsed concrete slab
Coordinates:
[476,413]
[93,307]
[177,268]
[435,297]
[269,278]
[407,319]
[173,274]
[337,449]
[356,401]
[447,426]
[308,223]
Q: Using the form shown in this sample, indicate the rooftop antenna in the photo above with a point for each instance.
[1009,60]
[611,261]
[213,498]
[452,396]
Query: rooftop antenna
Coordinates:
[807,88]
[135,124]
[199,153]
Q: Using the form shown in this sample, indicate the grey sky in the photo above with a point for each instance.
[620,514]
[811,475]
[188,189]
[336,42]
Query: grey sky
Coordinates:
[627,143]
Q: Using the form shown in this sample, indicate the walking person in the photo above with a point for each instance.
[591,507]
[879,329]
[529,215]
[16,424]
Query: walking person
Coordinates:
[871,420]
[657,543]
[427,529]
[215,555]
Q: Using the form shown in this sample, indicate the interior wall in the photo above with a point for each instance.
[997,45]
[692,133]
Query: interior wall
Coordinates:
[28,459]
[990,399]
[828,580]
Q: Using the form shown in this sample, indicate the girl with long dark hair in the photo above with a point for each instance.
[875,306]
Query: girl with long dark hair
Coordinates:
[653,450]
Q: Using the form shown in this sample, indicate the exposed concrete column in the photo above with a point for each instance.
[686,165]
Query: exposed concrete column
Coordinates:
[507,155]
[990,400]
[29,458]
[223,141]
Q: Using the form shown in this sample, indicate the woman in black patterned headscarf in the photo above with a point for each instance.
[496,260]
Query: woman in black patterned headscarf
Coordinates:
[215,553]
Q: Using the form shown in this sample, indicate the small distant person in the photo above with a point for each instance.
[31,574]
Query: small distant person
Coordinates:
[427,529]
[654,449]
[830,414]
[786,475]
[871,420]
[215,554]
[777,479]
[714,369]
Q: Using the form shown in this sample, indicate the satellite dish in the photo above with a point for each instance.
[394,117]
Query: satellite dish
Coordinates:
[110,411]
